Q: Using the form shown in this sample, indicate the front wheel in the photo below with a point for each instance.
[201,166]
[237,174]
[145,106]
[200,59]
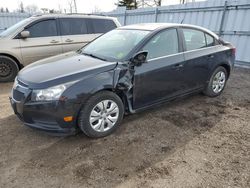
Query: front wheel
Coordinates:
[101,114]
[217,82]
[8,69]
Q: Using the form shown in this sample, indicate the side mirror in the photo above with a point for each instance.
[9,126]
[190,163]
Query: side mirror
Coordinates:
[24,34]
[139,58]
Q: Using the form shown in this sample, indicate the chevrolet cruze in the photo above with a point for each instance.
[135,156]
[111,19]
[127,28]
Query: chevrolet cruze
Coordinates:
[124,71]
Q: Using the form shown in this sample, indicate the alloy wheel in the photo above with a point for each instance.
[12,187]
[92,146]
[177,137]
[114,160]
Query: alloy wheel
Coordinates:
[219,81]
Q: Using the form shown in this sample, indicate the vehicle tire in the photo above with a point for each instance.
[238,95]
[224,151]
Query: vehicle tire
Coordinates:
[217,82]
[8,69]
[101,114]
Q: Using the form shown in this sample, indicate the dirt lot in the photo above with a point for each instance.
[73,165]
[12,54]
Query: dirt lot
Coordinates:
[195,142]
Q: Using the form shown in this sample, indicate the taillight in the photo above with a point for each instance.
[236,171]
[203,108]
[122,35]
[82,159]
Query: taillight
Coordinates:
[233,51]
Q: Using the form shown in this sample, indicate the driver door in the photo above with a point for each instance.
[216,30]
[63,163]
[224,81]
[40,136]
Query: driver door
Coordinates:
[161,77]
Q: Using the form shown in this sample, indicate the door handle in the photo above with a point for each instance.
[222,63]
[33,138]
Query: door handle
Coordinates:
[178,65]
[68,40]
[210,56]
[54,41]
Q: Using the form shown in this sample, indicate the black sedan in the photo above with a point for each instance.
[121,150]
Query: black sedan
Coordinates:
[124,71]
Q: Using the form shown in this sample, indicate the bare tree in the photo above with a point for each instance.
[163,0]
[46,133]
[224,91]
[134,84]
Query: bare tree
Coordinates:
[45,10]
[60,8]
[70,6]
[96,10]
[149,3]
[31,9]
[52,11]
[20,7]
[75,6]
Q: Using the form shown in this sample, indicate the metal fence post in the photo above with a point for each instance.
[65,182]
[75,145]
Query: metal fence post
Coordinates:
[125,17]
[223,18]
[156,14]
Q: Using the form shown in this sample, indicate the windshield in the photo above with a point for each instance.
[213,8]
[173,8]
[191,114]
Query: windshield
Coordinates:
[13,28]
[115,45]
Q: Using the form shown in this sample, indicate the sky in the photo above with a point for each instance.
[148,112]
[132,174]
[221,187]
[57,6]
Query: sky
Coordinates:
[83,6]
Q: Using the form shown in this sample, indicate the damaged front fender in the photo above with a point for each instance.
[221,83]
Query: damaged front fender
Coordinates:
[123,82]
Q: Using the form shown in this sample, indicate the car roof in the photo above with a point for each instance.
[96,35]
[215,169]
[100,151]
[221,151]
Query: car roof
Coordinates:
[71,16]
[158,26]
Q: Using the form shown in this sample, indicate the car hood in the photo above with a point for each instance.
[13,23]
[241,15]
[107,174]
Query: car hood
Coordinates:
[62,68]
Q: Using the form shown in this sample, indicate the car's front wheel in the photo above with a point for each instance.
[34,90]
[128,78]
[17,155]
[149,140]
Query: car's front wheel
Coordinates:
[101,114]
[8,69]
[217,82]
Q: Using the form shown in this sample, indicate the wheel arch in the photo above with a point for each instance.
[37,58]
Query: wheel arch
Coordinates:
[221,64]
[20,66]
[119,93]
[227,67]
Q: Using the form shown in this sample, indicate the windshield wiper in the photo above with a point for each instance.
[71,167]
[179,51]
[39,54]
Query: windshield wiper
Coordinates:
[94,56]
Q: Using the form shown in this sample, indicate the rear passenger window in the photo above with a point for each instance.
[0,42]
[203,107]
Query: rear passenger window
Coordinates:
[210,40]
[102,25]
[73,26]
[194,39]
[44,28]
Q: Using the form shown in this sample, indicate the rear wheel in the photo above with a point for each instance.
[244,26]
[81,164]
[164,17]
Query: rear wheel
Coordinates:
[101,114]
[217,82]
[8,69]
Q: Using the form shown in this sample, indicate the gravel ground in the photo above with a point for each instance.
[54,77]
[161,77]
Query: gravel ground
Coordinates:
[193,142]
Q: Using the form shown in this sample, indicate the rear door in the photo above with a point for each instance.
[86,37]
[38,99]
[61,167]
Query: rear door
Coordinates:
[161,77]
[200,53]
[77,32]
[43,42]
[74,33]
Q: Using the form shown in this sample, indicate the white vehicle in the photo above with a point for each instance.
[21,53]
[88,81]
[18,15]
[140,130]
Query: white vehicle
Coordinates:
[43,36]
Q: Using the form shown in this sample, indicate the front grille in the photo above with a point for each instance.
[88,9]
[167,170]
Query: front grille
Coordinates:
[20,91]
[17,95]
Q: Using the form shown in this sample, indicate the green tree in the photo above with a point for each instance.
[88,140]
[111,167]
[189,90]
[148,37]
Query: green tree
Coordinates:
[129,4]
[158,2]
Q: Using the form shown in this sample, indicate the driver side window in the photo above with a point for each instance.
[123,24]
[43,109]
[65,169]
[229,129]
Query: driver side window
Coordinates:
[162,44]
[45,28]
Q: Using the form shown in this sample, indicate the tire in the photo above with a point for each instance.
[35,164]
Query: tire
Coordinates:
[8,69]
[217,82]
[96,121]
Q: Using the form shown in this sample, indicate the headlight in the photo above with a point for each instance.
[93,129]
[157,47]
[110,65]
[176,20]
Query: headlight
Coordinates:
[49,94]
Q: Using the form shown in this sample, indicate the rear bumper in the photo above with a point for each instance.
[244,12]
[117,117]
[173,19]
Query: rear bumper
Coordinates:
[46,116]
